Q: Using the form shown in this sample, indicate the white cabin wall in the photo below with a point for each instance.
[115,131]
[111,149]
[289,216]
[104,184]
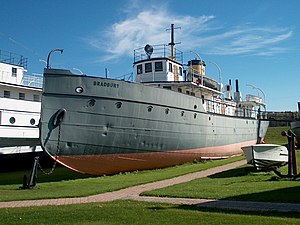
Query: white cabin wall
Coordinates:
[7,76]
[165,75]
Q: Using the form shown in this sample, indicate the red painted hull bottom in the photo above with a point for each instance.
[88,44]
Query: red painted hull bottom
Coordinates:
[114,163]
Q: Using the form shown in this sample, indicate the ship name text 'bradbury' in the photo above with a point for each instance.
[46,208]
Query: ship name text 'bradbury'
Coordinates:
[106,84]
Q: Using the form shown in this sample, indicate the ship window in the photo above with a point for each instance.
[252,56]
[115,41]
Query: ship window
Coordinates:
[6,94]
[139,69]
[21,96]
[148,67]
[158,66]
[195,115]
[14,72]
[150,108]
[170,67]
[36,98]
[182,113]
[202,96]
[167,110]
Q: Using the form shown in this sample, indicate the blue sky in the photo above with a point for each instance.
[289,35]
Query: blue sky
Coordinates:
[254,41]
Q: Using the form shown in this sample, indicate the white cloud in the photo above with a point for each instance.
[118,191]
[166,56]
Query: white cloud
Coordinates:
[199,32]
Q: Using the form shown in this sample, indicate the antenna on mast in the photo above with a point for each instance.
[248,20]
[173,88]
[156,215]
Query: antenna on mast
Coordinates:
[172,43]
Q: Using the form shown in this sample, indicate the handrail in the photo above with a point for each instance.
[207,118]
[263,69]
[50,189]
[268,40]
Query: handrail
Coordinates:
[162,50]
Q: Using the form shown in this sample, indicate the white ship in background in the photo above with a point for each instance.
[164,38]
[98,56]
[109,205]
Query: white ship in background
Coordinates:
[19,106]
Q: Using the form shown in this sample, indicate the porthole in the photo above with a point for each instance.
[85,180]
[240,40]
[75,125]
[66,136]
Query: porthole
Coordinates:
[209,118]
[79,90]
[150,108]
[91,102]
[167,110]
[195,106]
[118,105]
[12,120]
[32,121]
[195,115]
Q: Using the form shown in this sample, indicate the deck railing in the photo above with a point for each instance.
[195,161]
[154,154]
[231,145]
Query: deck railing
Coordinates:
[232,109]
[159,51]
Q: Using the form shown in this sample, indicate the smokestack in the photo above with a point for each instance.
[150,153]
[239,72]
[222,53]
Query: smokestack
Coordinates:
[237,85]
[237,94]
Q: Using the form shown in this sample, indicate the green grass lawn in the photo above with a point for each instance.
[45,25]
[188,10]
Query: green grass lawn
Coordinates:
[66,183]
[242,183]
[238,184]
[131,212]
[274,136]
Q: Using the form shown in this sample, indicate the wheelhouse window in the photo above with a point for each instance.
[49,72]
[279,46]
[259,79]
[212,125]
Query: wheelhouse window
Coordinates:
[13,71]
[21,96]
[180,71]
[148,67]
[6,94]
[170,67]
[139,69]
[158,66]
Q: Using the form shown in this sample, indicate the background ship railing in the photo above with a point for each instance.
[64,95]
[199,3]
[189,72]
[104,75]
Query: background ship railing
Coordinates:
[33,80]
[159,51]
[13,58]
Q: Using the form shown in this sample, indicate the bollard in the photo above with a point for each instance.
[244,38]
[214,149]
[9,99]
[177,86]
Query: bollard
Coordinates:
[293,152]
[33,175]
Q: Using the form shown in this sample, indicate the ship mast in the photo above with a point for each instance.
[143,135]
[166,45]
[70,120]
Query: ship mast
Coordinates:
[172,43]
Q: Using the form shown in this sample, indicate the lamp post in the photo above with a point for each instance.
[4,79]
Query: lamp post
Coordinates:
[197,55]
[44,61]
[259,90]
[48,58]
[263,94]
[81,73]
[219,69]
[250,85]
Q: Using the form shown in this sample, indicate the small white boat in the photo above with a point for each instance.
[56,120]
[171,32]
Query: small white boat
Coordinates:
[266,156]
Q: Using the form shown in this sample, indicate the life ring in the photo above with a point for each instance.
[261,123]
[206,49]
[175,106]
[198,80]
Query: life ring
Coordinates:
[59,116]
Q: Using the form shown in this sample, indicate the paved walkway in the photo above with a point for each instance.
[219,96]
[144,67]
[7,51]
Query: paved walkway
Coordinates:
[133,193]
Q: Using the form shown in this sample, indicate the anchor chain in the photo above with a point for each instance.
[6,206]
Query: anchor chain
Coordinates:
[56,155]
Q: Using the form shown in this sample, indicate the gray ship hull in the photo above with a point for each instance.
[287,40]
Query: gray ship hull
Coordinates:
[103,126]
